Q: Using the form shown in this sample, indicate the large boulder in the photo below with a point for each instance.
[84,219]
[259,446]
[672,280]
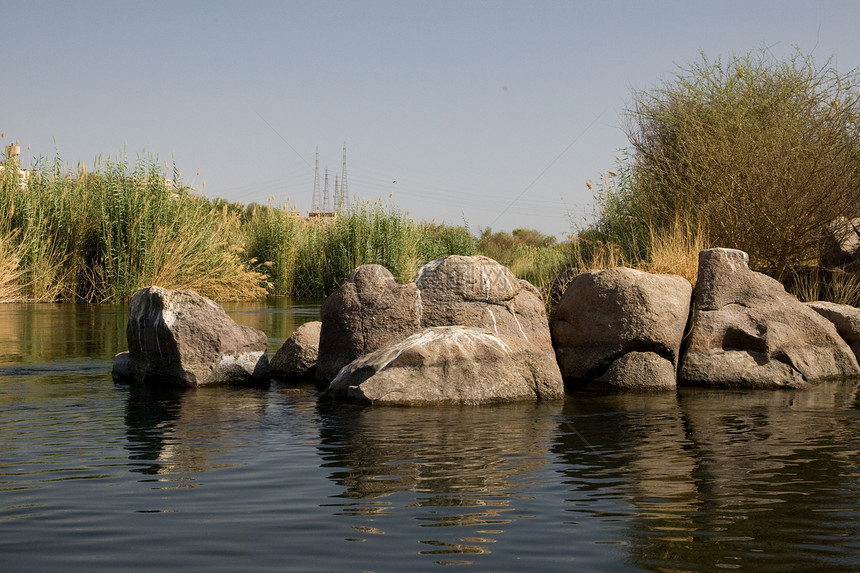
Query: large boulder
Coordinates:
[297,357]
[181,338]
[371,312]
[845,318]
[747,332]
[480,292]
[841,245]
[445,365]
[367,312]
[621,329]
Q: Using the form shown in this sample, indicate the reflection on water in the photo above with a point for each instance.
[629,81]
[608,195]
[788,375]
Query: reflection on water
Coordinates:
[40,332]
[463,468]
[278,317]
[715,479]
[253,479]
[36,333]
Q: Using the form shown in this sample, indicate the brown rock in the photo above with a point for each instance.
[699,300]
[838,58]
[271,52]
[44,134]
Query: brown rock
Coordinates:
[297,357]
[367,312]
[607,314]
[845,318]
[747,332]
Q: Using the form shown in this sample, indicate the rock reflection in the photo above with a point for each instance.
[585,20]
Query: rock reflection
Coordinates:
[460,467]
[710,479]
[181,433]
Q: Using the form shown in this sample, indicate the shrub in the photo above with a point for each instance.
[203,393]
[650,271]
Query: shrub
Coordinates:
[760,153]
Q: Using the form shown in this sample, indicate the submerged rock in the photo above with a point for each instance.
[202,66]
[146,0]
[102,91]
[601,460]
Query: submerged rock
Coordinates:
[179,337]
[297,357]
[445,365]
[747,332]
[621,329]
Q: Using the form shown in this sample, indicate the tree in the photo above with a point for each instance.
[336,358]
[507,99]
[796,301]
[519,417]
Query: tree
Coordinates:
[763,153]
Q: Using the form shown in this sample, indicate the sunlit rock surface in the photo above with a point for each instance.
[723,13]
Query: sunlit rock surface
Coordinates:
[445,365]
[747,332]
[621,329]
[297,357]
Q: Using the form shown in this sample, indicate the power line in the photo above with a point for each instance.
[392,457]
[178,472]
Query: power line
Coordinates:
[547,168]
[282,139]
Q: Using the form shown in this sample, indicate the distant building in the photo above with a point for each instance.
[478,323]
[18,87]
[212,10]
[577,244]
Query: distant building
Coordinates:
[13,153]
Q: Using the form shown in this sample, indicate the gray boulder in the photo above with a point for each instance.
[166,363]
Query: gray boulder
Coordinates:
[181,338]
[446,365]
[621,329]
[371,312]
[480,292]
[297,357]
[747,332]
[845,318]
[367,312]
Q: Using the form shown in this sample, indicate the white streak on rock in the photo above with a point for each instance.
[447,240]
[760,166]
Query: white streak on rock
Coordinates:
[493,316]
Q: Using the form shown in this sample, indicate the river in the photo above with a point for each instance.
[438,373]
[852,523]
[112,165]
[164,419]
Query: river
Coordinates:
[102,476]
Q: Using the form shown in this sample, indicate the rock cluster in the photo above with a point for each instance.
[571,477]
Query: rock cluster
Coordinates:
[467,331]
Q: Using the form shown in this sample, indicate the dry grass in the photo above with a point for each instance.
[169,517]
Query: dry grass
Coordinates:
[10,271]
[676,250]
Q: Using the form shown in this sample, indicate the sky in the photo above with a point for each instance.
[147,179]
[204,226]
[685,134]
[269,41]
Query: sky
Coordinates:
[492,114]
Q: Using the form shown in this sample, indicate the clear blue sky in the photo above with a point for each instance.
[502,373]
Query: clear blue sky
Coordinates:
[495,113]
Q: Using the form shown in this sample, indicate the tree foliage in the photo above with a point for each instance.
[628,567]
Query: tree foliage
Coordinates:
[761,152]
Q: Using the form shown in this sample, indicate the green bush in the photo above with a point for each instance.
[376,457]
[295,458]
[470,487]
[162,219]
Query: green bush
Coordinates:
[758,152]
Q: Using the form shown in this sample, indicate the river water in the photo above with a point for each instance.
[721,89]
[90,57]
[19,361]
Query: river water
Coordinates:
[100,476]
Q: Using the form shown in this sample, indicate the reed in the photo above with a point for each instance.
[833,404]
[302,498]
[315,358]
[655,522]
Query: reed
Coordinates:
[312,257]
[100,236]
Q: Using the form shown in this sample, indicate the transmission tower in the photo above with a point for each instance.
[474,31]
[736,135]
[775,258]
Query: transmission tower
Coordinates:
[316,203]
[326,207]
[344,187]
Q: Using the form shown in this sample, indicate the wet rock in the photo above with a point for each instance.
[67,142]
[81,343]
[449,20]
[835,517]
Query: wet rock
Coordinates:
[747,332]
[181,338]
[122,366]
[297,357]
[621,329]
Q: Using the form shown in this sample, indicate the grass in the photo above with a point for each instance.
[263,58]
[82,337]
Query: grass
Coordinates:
[312,257]
[833,285]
